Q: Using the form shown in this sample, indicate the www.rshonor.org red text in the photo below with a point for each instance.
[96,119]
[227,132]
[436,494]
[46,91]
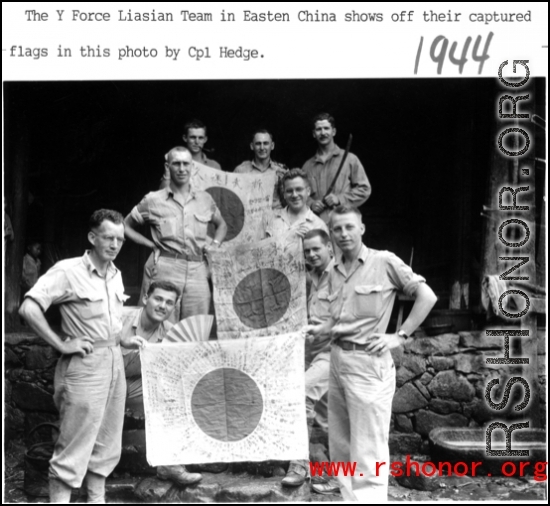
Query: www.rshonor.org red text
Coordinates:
[413,468]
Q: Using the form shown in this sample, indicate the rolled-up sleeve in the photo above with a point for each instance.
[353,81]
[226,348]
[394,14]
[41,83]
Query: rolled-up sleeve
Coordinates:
[402,276]
[51,288]
[142,212]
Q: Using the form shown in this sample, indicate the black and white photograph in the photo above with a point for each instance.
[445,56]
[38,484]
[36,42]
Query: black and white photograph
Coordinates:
[228,285]
[422,167]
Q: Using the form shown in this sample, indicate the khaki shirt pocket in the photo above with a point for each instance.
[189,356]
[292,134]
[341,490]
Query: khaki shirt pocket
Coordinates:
[168,228]
[91,304]
[116,309]
[323,295]
[334,304]
[325,299]
[367,301]
[120,299]
[321,307]
[200,226]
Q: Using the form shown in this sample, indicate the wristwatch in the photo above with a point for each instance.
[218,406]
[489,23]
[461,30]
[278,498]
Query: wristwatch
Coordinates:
[403,334]
[216,242]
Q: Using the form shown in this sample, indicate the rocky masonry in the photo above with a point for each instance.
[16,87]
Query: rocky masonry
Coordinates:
[440,383]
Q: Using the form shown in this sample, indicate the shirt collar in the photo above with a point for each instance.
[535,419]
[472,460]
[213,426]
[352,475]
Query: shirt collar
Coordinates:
[137,319]
[328,268]
[284,214]
[259,168]
[111,269]
[330,265]
[169,193]
[363,254]
[333,152]
[310,216]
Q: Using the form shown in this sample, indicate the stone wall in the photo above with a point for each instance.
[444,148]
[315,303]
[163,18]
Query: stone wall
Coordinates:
[441,382]
[29,366]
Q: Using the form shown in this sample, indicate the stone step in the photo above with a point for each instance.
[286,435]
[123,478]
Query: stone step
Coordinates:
[223,487]
[233,482]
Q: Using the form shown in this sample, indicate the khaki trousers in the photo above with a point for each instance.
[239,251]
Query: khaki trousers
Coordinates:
[316,389]
[317,382]
[190,277]
[90,393]
[361,389]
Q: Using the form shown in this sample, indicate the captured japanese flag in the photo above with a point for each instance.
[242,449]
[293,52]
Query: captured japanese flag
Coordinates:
[225,401]
[259,289]
[244,201]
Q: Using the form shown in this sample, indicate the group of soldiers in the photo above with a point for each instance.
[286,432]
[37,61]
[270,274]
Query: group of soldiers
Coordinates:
[352,290]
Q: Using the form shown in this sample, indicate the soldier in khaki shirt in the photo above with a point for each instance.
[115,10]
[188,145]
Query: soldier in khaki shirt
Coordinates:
[352,187]
[262,145]
[318,254]
[178,217]
[89,382]
[362,287]
[296,219]
[195,138]
[151,323]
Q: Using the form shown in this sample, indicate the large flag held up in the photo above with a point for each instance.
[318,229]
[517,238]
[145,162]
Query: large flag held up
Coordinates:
[259,289]
[225,401]
[244,200]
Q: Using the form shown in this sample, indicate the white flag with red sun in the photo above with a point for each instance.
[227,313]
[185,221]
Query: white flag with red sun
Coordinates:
[225,401]
[259,289]
[244,201]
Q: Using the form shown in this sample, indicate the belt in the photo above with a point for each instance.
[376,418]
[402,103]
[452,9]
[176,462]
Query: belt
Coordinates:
[349,346]
[182,256]
[103,343]
[109,343]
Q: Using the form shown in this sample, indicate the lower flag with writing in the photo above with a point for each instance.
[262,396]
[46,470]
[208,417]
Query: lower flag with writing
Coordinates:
[225,401]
